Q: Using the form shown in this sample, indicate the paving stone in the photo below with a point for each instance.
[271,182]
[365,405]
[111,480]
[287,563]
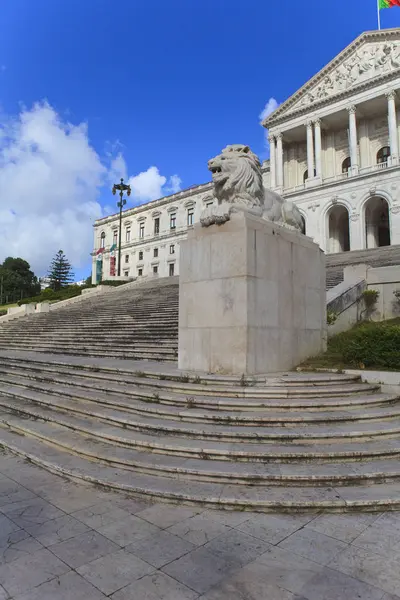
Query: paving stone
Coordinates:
[390,597]
[115,571]
[344,527]
[70,586]
[130,504]
[71,497]
[6,527]
[249,583]
[287,570]
[101,514]
[273,528]
[18,544]
[380,540]
[164,515]
[198,529]
[3,594]
[57,530]
[199,570]
[228,517]
[237,547]
[30,571]
[83,548]
[161,548]
[128,530]
[313,545]
[333,585]
[367,566]
[31,512]
[158,586]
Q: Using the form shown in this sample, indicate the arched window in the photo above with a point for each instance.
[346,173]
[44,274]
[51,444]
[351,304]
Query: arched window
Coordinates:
[346,164]
[102,240]
[377,223]
[338,229]
[305,176]
[303,225]
[383,155]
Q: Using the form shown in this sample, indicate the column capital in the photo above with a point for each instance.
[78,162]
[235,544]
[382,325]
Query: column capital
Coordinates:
[279,136]
[271,138]
[391,94]
[309,124]
[317,122]
[352,109]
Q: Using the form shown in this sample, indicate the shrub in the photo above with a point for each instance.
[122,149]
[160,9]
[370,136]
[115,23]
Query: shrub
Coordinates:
[49,295]
[3,312]
[369,345]
[331,317]
[370,297]
[112,282]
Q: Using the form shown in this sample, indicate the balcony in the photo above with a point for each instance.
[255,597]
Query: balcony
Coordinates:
[376,168]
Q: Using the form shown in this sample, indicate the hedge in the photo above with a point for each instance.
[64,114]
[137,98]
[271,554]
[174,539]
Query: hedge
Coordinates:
[370,345]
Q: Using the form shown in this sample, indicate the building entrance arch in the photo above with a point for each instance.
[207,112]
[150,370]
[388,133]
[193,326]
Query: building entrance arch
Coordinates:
[338,229]
[377,222]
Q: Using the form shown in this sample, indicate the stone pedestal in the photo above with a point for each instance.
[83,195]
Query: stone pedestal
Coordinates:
[252,298]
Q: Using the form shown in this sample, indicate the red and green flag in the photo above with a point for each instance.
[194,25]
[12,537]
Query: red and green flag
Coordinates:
[388,3]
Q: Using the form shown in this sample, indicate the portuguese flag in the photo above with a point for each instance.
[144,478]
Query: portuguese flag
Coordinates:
[388,3]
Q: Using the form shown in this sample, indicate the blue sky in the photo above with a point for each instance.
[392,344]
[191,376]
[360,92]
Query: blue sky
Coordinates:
[90,89]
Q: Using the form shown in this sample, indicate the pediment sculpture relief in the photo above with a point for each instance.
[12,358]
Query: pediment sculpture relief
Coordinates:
[366,63]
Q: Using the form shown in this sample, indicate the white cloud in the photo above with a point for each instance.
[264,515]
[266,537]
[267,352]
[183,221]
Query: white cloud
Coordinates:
[150,185]
[49,180]
[269,108]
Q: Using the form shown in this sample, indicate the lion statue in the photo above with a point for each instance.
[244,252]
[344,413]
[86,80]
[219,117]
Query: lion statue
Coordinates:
[238,186]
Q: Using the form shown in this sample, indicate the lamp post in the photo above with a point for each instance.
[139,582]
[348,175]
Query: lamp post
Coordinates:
[122,187]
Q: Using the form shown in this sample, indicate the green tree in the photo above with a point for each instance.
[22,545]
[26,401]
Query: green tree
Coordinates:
[17,280]
[60,272]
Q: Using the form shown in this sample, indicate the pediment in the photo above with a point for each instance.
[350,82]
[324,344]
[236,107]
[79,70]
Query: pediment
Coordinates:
[371,56]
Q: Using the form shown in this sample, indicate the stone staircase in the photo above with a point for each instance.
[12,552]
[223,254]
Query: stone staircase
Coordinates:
[135,321]
[289,442]
[375,257]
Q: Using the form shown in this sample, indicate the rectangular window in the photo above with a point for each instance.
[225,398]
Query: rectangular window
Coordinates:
[103,240]
[126,258]
[128,235]
[115,237]
[172,221]
[209,204]
[155,253]
[126,273]
[157,226]
[155,270]
[171,269]
[141,231]
[141,255]
[172,249]
[190,216]
[140,272]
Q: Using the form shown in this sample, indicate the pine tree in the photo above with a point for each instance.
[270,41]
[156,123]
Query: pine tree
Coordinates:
[60,272]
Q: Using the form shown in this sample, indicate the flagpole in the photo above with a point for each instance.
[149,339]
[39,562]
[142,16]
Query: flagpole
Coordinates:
[379,15]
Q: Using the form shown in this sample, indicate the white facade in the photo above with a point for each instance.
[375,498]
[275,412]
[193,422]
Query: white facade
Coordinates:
[342,126]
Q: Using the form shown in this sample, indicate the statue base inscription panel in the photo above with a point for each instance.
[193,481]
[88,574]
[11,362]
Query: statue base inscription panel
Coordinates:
[252,298]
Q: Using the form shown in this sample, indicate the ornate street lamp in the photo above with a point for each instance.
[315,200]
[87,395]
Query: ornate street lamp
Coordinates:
[122,187]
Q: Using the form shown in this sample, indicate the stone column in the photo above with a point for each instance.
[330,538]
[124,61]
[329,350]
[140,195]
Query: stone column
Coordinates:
[318,147]
[279,160]
[392,121]
[310,150]
[353,140]
[272,160]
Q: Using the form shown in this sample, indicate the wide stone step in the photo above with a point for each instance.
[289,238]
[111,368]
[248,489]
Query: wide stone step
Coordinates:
[204,396]
[265,434]
[262,474]
[385,496]
[150,405]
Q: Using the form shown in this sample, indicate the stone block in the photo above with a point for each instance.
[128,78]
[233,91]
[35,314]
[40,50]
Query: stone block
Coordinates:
[252,298]
[43,307]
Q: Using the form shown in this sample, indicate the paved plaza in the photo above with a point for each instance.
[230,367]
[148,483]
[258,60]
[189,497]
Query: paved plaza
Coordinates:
[67,541]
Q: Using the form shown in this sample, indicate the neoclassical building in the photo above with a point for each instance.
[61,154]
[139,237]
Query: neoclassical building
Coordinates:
[334,151]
